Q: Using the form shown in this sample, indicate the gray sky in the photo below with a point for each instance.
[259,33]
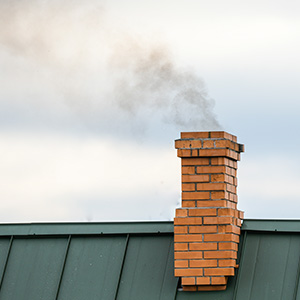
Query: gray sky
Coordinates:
[93,95]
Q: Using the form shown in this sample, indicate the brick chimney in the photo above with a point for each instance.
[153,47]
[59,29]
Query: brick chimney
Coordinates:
[207,227]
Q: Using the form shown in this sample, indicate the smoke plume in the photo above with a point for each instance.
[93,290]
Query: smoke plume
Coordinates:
[149,78]
[98,70]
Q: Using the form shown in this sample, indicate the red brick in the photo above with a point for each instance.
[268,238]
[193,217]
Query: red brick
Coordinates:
[211,288]
[230,188]
[228,246]
[217,220]
[231,172]
[188,187]
[211,203]
[219,237]
[233,164]
[180,229]
[181,264]
[203,246]
[235,181]
[192,161]
[184,153]
[229,229]
[220,254]
[211,186]
[241,214]
[227,263]
[234,155]
[186,203]
[188,255]
[223,134]
[223,229]
[231,205]
[181,212]
[180,246]
[195,195]
[188,238]
[214,152]
[180,144]
[187,221]
[203,263]
[208,144]
[202,212]
[219,271]
[202,229]
[228,153]
[234,138]
[217,177]
[218,280]
[188,272]
[219,195]
[188,144]
[235,238]
[195,135]
[219,161]
[188,281]
[188,170]
[195,178]
[230,179]
[211,169]
[226,212]
[203,280]
[225,144]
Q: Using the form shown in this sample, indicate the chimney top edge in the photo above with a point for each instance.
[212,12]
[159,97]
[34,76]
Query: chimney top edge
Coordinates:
[208,135]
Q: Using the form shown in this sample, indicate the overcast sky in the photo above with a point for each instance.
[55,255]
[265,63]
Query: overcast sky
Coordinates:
[94,93]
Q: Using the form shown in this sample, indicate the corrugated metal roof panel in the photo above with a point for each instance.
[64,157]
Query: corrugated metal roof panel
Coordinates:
[92,268]
[269,266]
[87,266]
[33,269]
[4,252]
[148,269]
[297,290]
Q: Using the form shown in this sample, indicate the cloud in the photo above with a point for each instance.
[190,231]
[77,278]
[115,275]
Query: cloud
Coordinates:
[62,178]
[268,186]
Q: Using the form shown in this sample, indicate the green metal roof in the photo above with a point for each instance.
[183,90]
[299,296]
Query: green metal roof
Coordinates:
[87,261]
[82,261]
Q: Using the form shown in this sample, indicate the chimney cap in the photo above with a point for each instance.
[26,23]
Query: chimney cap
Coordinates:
[208,143]
[208,135]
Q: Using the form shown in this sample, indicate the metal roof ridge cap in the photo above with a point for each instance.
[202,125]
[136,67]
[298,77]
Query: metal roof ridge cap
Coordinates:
[86,228]
[273,225]
[83,223]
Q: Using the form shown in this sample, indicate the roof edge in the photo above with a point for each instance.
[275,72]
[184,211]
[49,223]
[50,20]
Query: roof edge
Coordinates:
[141,227]
[283,225]
[86,228]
